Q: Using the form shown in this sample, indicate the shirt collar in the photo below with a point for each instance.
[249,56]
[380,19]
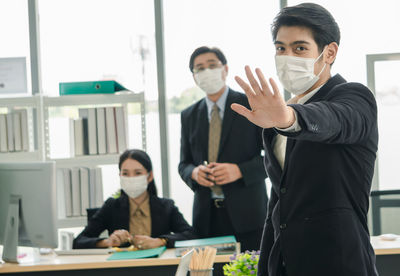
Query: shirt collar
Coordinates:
[305,98]
[144,207]
[220,103]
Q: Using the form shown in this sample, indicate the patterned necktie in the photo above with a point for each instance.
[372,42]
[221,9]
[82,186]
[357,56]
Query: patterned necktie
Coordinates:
[214,137]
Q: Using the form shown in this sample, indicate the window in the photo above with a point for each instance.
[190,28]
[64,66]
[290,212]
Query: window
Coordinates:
[358,39]
[241,29]
[14,33]
[98,40]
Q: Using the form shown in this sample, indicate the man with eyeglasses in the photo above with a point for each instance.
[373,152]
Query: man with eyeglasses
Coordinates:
[221,157]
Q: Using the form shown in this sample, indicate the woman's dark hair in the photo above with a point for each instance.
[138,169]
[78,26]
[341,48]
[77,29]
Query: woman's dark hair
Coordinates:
[144,159]
[203,50]
[323,26]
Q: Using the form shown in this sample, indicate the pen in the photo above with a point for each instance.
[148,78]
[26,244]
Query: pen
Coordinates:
[205,163]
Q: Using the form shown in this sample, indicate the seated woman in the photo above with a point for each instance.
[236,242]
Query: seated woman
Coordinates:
[138,215]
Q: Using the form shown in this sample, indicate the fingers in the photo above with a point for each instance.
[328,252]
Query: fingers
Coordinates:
[204,169]
[240,109]
[113,240]
[246,88]
[143,242]
[274,87]
[263,81]
[253,82]
[205,182]
[119,237]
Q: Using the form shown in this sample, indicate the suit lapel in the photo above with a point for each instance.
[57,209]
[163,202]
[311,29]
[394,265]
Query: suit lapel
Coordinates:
[154,213]
[289,146]
[229,116]
[124,215]
[269,141]
[332,82]
[203,128]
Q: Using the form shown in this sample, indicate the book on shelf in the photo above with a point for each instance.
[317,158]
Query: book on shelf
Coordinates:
[14,131]
[90,87]
[111,130]
[61,204]
[3,133]
[64,193]
[79,148]
[84,181]
[24,129]
[76,192]
[101,130]
[78,188]
[95,188]
[67,191]
[223,244]
[17,131]
[88,115]
[99,198]
[10,132]
[120,124]
[92,188]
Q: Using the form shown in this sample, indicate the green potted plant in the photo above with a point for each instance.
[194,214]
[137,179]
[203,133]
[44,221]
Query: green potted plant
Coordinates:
[242,264]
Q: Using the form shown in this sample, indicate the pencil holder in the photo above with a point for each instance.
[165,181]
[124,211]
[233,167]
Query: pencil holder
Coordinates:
[202,272]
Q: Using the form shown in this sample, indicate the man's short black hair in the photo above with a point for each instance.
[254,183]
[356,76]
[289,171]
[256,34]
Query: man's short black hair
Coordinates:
[203,50]
[312,16]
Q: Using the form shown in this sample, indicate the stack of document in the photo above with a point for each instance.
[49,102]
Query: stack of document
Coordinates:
[224,245]
[138,254]
[101,130]
[78,188]
[14,131]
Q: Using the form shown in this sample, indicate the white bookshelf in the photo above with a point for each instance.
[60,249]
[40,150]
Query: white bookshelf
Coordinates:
[20,102]
[20,156]
[87,160]
[35,128]
[93,99]
[39,130]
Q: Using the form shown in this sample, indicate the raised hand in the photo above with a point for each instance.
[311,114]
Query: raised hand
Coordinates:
[268,109]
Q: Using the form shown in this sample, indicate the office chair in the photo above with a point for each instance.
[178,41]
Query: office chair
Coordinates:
[90,212]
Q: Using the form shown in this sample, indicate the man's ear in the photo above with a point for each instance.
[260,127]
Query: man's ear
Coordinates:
[331,52]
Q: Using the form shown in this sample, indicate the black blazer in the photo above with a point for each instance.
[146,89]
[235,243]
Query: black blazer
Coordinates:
[166,221]
[241,143]
[317,214]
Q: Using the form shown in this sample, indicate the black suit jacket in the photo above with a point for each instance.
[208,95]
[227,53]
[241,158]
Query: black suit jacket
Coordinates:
[114,215]
[241,144]
[317,214]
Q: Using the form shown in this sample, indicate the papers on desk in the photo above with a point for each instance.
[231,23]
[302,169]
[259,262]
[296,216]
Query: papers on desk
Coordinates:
[223,244]
[139,254]
[90,251]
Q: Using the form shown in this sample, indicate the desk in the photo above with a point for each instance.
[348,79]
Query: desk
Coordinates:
[387,262]
[387,256]
[98,265]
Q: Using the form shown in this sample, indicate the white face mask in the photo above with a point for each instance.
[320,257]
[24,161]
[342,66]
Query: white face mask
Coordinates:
[210,80]
[134,186]
[296,73]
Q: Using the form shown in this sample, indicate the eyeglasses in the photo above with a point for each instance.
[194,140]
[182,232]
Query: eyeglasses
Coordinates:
[210,66]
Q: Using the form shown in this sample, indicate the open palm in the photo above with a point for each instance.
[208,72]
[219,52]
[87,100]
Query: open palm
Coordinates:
[268,109]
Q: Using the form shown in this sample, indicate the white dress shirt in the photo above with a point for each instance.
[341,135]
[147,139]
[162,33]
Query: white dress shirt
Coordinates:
[280,141]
